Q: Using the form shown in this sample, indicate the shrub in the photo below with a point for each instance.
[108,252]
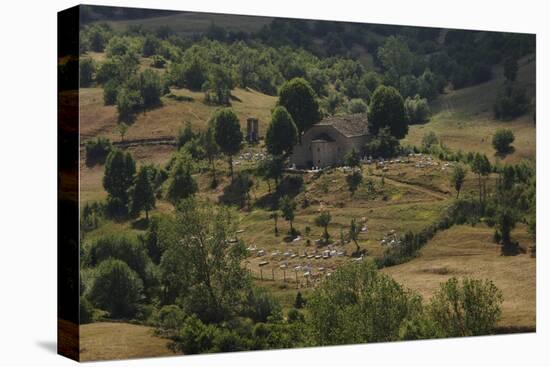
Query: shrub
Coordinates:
[417,110]
[97,151]
[117,289]
[357,105]
[502,140]
[87,71]
[158,61]
[260,305]
[86,311]
[429,139]
[467,308]
[170,318]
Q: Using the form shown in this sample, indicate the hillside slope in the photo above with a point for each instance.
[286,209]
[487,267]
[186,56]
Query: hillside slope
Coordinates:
[463,119]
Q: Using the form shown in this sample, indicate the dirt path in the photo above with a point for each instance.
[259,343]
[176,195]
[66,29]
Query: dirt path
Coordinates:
[435,194]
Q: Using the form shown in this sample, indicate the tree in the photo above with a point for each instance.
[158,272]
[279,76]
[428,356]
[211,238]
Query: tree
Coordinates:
[359,304]
[282,134]
[354,231]
[150,45]
[383,145]
[211,150]
[181,183]
[275,216]
[300,101]
[128,101]
[353,180]
[150,88]
[122,129]
[387,109]
[227,133]
[110,92]
[502,140]
[200,269]
[467,308]
[143,195]
[352,158]
[417,110]
[219,85]
[482,167]
[288,207]
[511,68]
[506,221]
[457,178]
[323,220]
[396,56]
[117,289]
[120,169]
[357,105]
[87,71]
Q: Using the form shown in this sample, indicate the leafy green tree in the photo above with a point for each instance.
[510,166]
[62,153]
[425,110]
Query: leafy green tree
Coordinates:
[354,180]
[219,85]
[387,109]
[128,102]
[150,45]
[457,178]
[511,102]
[482,168]
[467,308]
[227,133]
[396,56]
[323,220]
[150,88]
[511,68]
[300,101]
[506,219]
[110,92]
[354,231]
[502,140]
[352,158]
[120,169]
[359,304]
[417,110]
[282,134]
[383,145]
[117,289]
[142,194]
[122,129]
[211,150]
[357,105]
[87,71]
[288,208]
[97,150]
[200,269]
[181,183]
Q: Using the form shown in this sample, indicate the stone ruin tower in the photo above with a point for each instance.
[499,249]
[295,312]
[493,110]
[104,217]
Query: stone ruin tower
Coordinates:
[252,130]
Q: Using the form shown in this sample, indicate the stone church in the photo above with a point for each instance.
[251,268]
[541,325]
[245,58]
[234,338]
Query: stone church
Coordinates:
[327,142]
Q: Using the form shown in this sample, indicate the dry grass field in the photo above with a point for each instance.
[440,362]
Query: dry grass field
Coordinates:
[466,251]
[109,340]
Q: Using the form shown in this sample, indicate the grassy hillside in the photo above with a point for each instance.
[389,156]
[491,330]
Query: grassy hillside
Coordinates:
[463,119]
[110,340]
[99,120]
[466,251]
[189,23]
